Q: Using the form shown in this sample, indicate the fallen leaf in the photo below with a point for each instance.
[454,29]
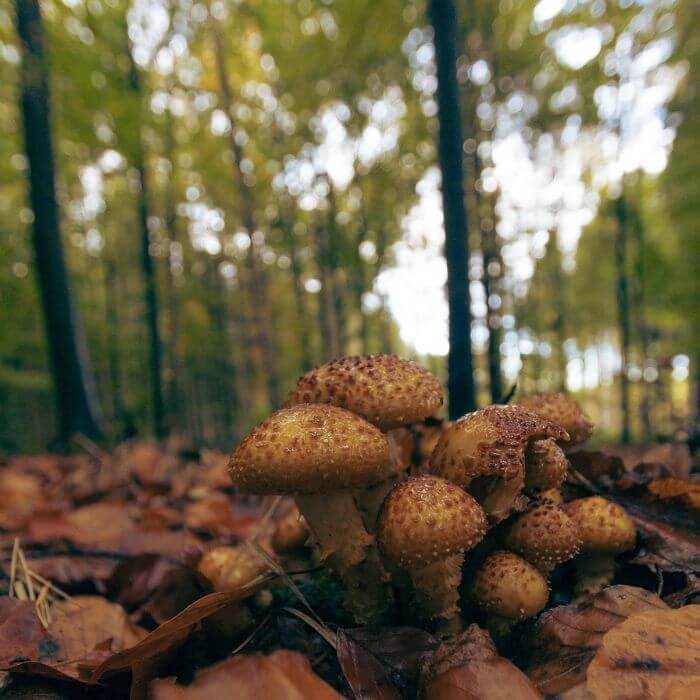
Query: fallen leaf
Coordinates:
[22,494]
[135,579]
[215,513]
[468,667]
[383,663]
[596,465]
[21,635]
[676,492]
[283,674]
[565,639]
[653,655]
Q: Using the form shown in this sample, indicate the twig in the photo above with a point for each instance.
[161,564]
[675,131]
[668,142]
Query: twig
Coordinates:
[320,629]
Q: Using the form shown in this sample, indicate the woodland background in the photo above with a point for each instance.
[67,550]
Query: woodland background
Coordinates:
[246,189]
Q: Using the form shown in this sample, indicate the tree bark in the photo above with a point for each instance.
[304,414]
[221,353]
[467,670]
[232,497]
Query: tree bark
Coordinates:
[460,382]
[259,291]
[148,268]
[76,396]
[623,312]
[489,247]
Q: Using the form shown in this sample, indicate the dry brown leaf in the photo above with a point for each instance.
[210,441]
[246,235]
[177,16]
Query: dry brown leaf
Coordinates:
[286,675]
[22,494]
[565,639]
[21,635]
[216,514]
[468,667]
[653,655]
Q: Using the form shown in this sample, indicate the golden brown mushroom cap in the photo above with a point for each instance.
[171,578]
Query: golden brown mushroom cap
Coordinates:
[425,519]
[563,410]
[604,527]
[307,449]
[489,442]
[545,536]
[387,390]
[508,586]
[229,568]
[545,465]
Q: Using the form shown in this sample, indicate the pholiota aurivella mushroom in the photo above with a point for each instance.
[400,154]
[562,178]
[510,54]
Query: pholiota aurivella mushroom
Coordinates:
[388,391]
[425,526]
[485,453]
[321,454]
[563,410]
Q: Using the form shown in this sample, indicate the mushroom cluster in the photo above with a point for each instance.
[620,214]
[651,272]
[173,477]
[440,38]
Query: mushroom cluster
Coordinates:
[479,496]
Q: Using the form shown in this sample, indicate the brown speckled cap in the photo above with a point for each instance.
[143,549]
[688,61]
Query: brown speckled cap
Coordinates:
[563,410]
[546,465]
[604,527]
[307,449]
[425,519]
[508,586]
[229,568]
[490,441]
[544,535]
[387,390]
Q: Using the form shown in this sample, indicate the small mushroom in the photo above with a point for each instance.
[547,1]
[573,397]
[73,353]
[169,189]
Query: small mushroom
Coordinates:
[291,533]
[320,453]
[561,409]
[606,531]
[545,536]
[390,392]
[387,390]
[545,466]
[425,526]
[484,452]
[229,568]
[551,496]
[509,589]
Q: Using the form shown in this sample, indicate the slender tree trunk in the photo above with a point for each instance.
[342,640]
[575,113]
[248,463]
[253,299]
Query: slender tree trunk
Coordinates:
[623,312]
[148,267]
[385,341]
[76,396]
[460,382]
[325,301]
[336,276]
[113,350]
[489,246]
[260,300]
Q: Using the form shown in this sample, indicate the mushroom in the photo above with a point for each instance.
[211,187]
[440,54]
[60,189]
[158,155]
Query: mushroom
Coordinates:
[563,410]
[319,454]
[551,496]
[390,392]
[484,452]
[545,536]
[605,530]
[291,533]
[508,589]
[229,568]
[425,526]
[545,465]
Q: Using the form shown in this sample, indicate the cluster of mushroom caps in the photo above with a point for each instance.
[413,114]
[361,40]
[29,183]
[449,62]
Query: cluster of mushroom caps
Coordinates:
[490,487]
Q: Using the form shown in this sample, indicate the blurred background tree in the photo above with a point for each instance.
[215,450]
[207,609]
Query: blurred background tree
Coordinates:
[245,190]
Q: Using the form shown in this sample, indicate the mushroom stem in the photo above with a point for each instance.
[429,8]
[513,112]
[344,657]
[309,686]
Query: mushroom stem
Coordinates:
[436,587]
[350,551]
[369,502]
[593,573]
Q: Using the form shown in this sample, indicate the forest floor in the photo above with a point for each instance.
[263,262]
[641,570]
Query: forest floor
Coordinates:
[101,595]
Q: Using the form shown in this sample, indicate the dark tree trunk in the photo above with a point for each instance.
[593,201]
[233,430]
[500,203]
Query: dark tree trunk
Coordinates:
[623,312]
[76,397]
[489,246]
[326,308]
[149,269]
[259,291]
[336,280]
[113,351]
[460,381]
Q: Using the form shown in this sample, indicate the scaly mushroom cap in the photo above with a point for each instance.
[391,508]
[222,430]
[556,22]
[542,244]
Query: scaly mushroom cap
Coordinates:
[551,496]
[603,526]
[229,568]
[545,465]
[309,449]
[425,519]
[508,586]
[387,390]
[563,410]
[489,442]
[291,532]
[545,536]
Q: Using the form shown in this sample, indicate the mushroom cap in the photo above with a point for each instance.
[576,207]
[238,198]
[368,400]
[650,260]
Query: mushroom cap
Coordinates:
[229,568]
[544,535]
[563,410]
[489,442]
[387,390]
[551,496]
[545,465]
[425,519]
[508,586]
[307,449]
[604,527]
[291,532]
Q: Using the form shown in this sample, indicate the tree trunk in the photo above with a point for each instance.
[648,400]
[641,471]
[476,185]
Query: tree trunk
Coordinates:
[148,267]
[489,247]
[460,382]
[113,351]
[259,291]
[336,276]
[76,397]
[623,312]
[326,307]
